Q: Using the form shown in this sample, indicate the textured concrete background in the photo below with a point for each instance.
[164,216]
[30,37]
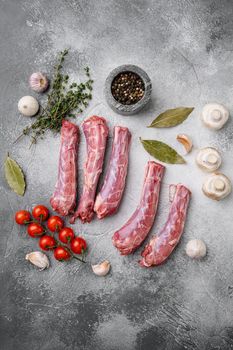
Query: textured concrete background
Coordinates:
[186,48]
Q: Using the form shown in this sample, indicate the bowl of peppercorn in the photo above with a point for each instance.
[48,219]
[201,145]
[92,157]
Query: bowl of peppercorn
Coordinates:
[127,89]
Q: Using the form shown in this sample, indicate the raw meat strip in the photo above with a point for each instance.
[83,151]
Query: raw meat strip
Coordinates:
[64,197]
[133,233]
[96,132]
[161,246]
[108,200]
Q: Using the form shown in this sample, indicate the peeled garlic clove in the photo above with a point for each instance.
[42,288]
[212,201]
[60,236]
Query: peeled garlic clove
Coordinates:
[101,269]
[186,141]
[28,106]
[38,82]
[208,159]
[196,249]
[38,259]
[214,115]
[217,186]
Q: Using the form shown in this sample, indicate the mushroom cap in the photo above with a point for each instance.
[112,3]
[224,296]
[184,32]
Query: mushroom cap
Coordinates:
[214,115]
[217,186]
[208,159]
[28,106]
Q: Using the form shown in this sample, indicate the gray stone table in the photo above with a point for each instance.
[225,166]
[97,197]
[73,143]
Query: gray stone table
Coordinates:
[186,47]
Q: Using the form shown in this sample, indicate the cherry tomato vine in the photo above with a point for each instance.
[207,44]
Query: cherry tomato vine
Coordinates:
[66,247]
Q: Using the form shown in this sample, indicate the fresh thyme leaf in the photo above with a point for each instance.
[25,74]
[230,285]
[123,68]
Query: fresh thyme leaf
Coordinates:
[63,99]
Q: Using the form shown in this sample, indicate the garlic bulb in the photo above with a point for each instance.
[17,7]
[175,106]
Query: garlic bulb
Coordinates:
[38,259]
[186,142]
[101,269]
[214,115]
[196,249]
[28,106]
[208,159]
[217,186]
[38,82]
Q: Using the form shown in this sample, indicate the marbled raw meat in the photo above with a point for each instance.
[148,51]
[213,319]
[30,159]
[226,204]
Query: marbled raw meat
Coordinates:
[64,197]
[132,234]
[109,197]
[161,245]
[96,132]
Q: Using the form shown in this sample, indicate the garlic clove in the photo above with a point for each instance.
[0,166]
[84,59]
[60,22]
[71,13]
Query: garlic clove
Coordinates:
[28,106]
[38,82]
[38,259]
[101,269]
[217,186]
[214,115]
[186,141]
[196,249]
[208,159]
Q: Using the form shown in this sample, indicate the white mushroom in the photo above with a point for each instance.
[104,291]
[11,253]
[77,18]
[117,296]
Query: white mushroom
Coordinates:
[217,186]
[208,159]
[186,141]
[101,269]
[196,249]
[28,106]
[214,115]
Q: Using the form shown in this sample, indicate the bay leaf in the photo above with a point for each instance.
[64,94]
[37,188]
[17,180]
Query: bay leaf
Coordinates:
[162,152]
[14,176]
[171,117]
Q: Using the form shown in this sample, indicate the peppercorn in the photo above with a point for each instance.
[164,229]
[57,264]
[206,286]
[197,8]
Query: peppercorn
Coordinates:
[128,88]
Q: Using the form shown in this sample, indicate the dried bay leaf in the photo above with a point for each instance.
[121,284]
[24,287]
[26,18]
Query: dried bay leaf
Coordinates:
[14,176]
[162,152]
[171,117]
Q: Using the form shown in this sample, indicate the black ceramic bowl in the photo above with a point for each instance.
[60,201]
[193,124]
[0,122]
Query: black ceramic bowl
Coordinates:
[122,108]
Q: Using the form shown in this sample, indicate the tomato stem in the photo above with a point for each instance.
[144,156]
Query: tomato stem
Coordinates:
[51,247]
[40,234]
[41,218]
[75,257]
[83,253]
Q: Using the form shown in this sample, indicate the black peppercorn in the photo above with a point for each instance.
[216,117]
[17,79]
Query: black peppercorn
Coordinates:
[128,88]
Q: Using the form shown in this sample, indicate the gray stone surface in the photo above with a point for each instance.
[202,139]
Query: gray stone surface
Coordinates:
[186,48]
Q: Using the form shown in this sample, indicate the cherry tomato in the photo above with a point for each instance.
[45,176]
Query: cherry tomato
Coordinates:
[40,212]
[66,235]
[55,223]
[35,230]
[22,217]
[78,245]
[47,242]
[61,253]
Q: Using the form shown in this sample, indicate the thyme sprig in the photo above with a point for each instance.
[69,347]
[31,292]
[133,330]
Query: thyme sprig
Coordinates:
[63,99]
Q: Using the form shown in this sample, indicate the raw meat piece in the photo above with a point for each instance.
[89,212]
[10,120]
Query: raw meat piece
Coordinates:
[133,233]
[109,197]
[96,132]
[161,246]
[64,197]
